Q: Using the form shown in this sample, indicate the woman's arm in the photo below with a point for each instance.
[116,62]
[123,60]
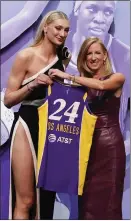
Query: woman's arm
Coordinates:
[114,82]
[14,94]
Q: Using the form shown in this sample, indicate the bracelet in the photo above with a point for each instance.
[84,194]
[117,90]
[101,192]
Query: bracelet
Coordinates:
[29,87]
[73,78]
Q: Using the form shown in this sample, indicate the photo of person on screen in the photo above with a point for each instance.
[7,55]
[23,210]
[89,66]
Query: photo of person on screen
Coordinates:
[96,18]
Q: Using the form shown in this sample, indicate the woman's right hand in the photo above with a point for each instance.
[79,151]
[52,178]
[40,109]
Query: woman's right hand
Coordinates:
[41,79]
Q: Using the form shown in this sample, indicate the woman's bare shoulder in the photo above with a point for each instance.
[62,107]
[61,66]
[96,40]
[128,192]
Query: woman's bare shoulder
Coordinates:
[118,75]
[26,54]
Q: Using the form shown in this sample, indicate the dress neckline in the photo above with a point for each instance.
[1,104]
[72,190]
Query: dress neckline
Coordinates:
[42,71]
[104,77]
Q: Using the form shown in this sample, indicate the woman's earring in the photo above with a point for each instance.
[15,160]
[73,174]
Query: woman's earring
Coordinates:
[45,32]
[104,62]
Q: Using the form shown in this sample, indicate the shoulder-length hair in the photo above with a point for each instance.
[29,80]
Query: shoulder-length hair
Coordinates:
[82,57]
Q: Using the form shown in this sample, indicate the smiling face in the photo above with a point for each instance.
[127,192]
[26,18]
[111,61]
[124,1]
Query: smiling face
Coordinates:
[95,57]
[95,17]
[57,31]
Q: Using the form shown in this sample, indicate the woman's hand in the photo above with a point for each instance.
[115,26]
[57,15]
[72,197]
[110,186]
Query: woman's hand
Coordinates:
[41,79]
[57,73]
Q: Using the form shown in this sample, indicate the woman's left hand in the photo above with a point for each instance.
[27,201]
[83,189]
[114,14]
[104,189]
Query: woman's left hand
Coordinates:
[57,73]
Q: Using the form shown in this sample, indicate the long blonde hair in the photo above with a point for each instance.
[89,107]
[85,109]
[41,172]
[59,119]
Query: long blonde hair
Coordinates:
[47,19]
[82,57]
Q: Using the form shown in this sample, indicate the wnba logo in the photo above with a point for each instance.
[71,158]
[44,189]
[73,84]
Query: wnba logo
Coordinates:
[52,138]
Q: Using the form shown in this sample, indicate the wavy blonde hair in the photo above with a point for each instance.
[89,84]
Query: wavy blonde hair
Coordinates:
[47,19]
[82,57]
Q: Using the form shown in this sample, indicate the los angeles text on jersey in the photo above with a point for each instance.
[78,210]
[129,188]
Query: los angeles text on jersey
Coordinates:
[65,128]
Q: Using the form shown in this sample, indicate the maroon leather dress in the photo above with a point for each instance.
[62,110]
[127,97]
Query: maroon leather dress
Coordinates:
[103,190]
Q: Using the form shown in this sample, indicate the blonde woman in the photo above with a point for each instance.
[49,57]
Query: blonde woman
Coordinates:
[27,84]
[103,190]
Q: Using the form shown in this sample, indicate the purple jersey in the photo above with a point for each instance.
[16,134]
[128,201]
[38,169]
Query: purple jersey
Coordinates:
[65,136]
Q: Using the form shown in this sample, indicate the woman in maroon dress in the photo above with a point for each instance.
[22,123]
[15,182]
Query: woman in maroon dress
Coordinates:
[103,190]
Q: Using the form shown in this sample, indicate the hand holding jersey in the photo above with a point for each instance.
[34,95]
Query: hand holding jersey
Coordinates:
[41,79]
[57,73]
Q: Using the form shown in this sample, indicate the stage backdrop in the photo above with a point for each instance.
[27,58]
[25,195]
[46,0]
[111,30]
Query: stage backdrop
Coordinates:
[19,21]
